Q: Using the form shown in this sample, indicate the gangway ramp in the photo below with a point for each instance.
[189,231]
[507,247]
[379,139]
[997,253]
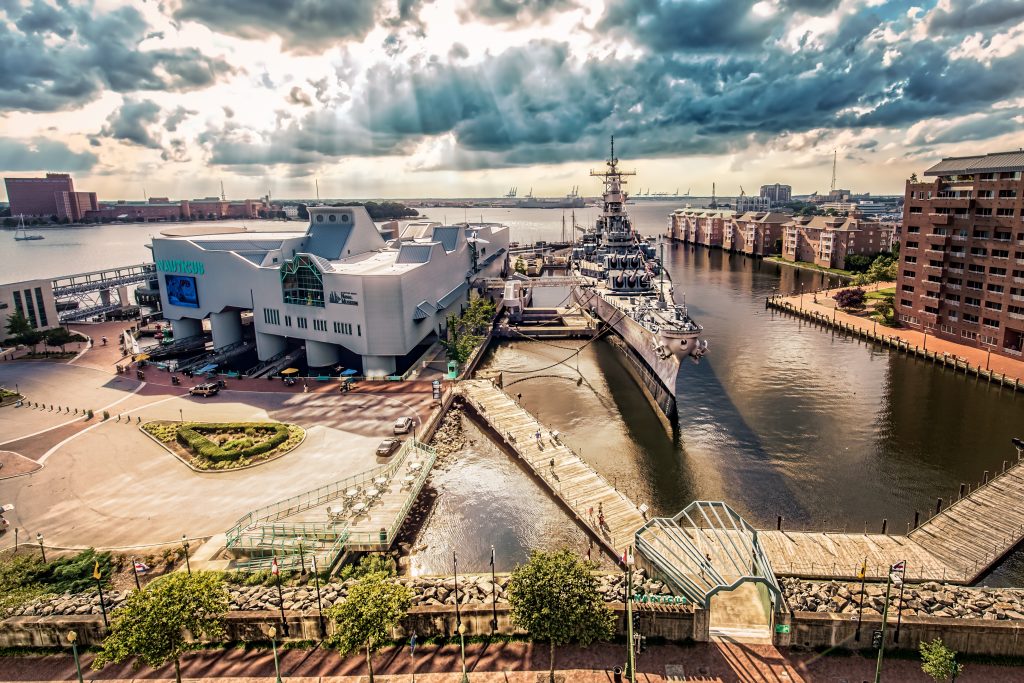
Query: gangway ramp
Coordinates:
[567,476]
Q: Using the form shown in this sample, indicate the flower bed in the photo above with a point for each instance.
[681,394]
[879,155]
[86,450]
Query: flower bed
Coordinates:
[225,445]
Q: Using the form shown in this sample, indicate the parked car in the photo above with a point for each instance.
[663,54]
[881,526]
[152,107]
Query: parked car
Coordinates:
[207,389]
[403,425]
[388,446]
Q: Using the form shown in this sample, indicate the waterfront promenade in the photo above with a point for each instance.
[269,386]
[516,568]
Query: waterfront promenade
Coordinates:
[822,306]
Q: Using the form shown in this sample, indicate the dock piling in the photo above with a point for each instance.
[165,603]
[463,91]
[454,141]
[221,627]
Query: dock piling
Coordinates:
[885,525]
[938,505]
[917,518]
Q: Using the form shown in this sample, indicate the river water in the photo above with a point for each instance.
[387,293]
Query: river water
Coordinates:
[780,418]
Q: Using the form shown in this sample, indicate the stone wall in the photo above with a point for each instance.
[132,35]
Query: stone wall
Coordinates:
[922,600]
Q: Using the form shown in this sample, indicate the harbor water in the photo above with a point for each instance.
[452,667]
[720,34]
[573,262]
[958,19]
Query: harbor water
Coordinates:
[780,418]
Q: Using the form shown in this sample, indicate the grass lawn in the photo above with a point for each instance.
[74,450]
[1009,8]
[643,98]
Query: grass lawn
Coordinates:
[881,293]
[225,446]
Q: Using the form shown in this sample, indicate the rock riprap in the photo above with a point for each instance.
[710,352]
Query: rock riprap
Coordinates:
[929,599]
[427,591]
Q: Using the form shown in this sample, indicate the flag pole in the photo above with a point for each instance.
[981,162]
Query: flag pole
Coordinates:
[885,617]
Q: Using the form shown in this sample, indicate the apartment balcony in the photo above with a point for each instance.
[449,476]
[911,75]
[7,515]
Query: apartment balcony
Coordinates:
[952,286]
[935,252]
[1019,261]
[1018,280]
[932,238]
[940,218]
[967,304]
[954,304]
[930,286]
[959,238]
[930,298]
[1016,316]
[951,202]
[928,317]
[996,276]
[1017,297]
[954,270]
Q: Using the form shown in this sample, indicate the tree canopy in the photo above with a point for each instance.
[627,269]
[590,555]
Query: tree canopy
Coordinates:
[850,298]
[554,597]
[938,661]
[467,331]
[151,624]
[365,619]
[17,325]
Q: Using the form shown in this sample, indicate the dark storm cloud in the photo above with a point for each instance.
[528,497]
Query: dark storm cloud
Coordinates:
[689,24]
[977,127]
[41,154]
[964,15]
[61,57]
[176,117]
[132,123]
[303,25]
[515,10]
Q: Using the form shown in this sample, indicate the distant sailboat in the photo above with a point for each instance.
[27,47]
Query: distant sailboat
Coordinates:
[21,234]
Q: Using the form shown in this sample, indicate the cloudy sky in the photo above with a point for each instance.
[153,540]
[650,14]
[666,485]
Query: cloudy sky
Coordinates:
[404,98]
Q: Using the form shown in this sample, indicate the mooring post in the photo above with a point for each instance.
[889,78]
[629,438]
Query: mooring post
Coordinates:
[985,479]
[938,505]
[885,525]
[962,487]
[1004,466]
[917,518]
[778,524]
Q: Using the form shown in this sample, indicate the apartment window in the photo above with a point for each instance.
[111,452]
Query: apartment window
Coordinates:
[911,245]
[935,278]
[953,297]
[997,271]
[343,328]
[910,259]
[908,273]
[987,340]
[984,194]
[975,268]
[908,288]
[287,321]
[960,212]
[970,318]
[955,281]
[1000,253]
[1007,194]
[906,302]
[983,211]
[979,251]
[915,209]
[989,322]
[967,334]
[948,329]
[913,230]
[42,308]
[972,301]
[931,309]
[1003,236]
[974,284]
[359,330]
[271,316]
[993,305]
[998,289]
[302,323]
[1005,213]
[320,325]
[986,176]
[951,315]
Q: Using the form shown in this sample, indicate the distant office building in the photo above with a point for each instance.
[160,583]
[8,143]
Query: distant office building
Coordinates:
[777,193]
[46,197]
[827,240]
[962,252]
[744,204]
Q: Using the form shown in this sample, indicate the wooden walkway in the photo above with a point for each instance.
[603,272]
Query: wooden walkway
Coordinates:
[973,533]
[565,474]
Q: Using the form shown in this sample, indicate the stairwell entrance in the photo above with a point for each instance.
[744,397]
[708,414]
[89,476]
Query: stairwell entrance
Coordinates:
[711,556]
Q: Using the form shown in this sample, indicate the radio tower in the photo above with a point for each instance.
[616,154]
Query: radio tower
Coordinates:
[834,170]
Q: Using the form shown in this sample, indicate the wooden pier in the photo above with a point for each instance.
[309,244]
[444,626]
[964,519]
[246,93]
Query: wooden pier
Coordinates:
[567,476]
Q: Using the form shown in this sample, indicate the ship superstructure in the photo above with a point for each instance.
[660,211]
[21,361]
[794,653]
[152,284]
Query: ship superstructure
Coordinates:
[625,284]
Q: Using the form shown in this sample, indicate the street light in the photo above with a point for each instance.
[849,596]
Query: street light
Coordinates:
[630,655]
[39,537]
[72,637]
[184,544]
[273,643]
[462,646]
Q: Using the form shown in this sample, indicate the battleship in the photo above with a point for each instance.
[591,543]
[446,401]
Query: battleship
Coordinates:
[623,282]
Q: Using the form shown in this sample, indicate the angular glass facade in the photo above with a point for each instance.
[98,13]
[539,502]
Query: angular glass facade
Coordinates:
[302,282]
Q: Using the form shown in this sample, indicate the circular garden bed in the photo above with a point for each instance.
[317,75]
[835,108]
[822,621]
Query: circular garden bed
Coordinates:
[216,446]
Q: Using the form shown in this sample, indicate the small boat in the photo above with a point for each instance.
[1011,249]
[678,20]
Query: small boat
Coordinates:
[21,234]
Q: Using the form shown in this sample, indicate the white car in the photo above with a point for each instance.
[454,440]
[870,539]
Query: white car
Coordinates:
[403,425]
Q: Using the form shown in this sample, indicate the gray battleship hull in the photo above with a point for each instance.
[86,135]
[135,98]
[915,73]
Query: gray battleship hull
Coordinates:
[657,375]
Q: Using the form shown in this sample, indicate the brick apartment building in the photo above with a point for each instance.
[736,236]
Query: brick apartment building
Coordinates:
[962,252]
[46,197]
[826,241]
[754,232]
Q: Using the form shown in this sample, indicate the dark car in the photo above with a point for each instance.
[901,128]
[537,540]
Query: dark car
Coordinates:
[387,447]
[208,389]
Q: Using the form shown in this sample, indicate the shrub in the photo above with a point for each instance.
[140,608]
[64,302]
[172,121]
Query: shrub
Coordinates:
[194,440]
[106,415]
[850,298]
[88,414]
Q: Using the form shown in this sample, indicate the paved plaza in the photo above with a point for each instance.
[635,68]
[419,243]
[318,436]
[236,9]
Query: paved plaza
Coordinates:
[106,484]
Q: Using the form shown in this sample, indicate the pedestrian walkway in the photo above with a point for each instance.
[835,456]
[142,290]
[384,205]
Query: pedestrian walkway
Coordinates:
[607,513]
[822,306]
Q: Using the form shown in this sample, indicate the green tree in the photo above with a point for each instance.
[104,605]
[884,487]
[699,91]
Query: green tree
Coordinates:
[886,309]
[883,268]
[31,338]
[554,597]
[365,619]
[151,625]
[17,325]
[849,298]
[60,336]
[913,177]
[857,263]
[939,662]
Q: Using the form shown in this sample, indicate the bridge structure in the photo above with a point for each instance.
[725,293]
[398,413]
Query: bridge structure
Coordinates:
[85,295]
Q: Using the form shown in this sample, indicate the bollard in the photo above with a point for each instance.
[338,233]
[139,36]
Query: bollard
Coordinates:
[985,480]
[885,525]
[917,518]
[962,487]
[778,523]
[1004,466]
[938,505]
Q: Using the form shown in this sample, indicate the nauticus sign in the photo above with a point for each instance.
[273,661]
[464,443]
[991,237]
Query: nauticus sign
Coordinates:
[347,298]
[180,266]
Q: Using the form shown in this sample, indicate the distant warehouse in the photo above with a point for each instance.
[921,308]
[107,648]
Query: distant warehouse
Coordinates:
[338,288]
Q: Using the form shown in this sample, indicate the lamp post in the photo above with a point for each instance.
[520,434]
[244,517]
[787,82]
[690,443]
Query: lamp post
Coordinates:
[458,615]
[39,537]
[72,637]
[184,544]
[925,342]
[273,644]
[494,596]
[462,647]
[181,415]
[275,569]
[319,604]
[630,654]
[135,571]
